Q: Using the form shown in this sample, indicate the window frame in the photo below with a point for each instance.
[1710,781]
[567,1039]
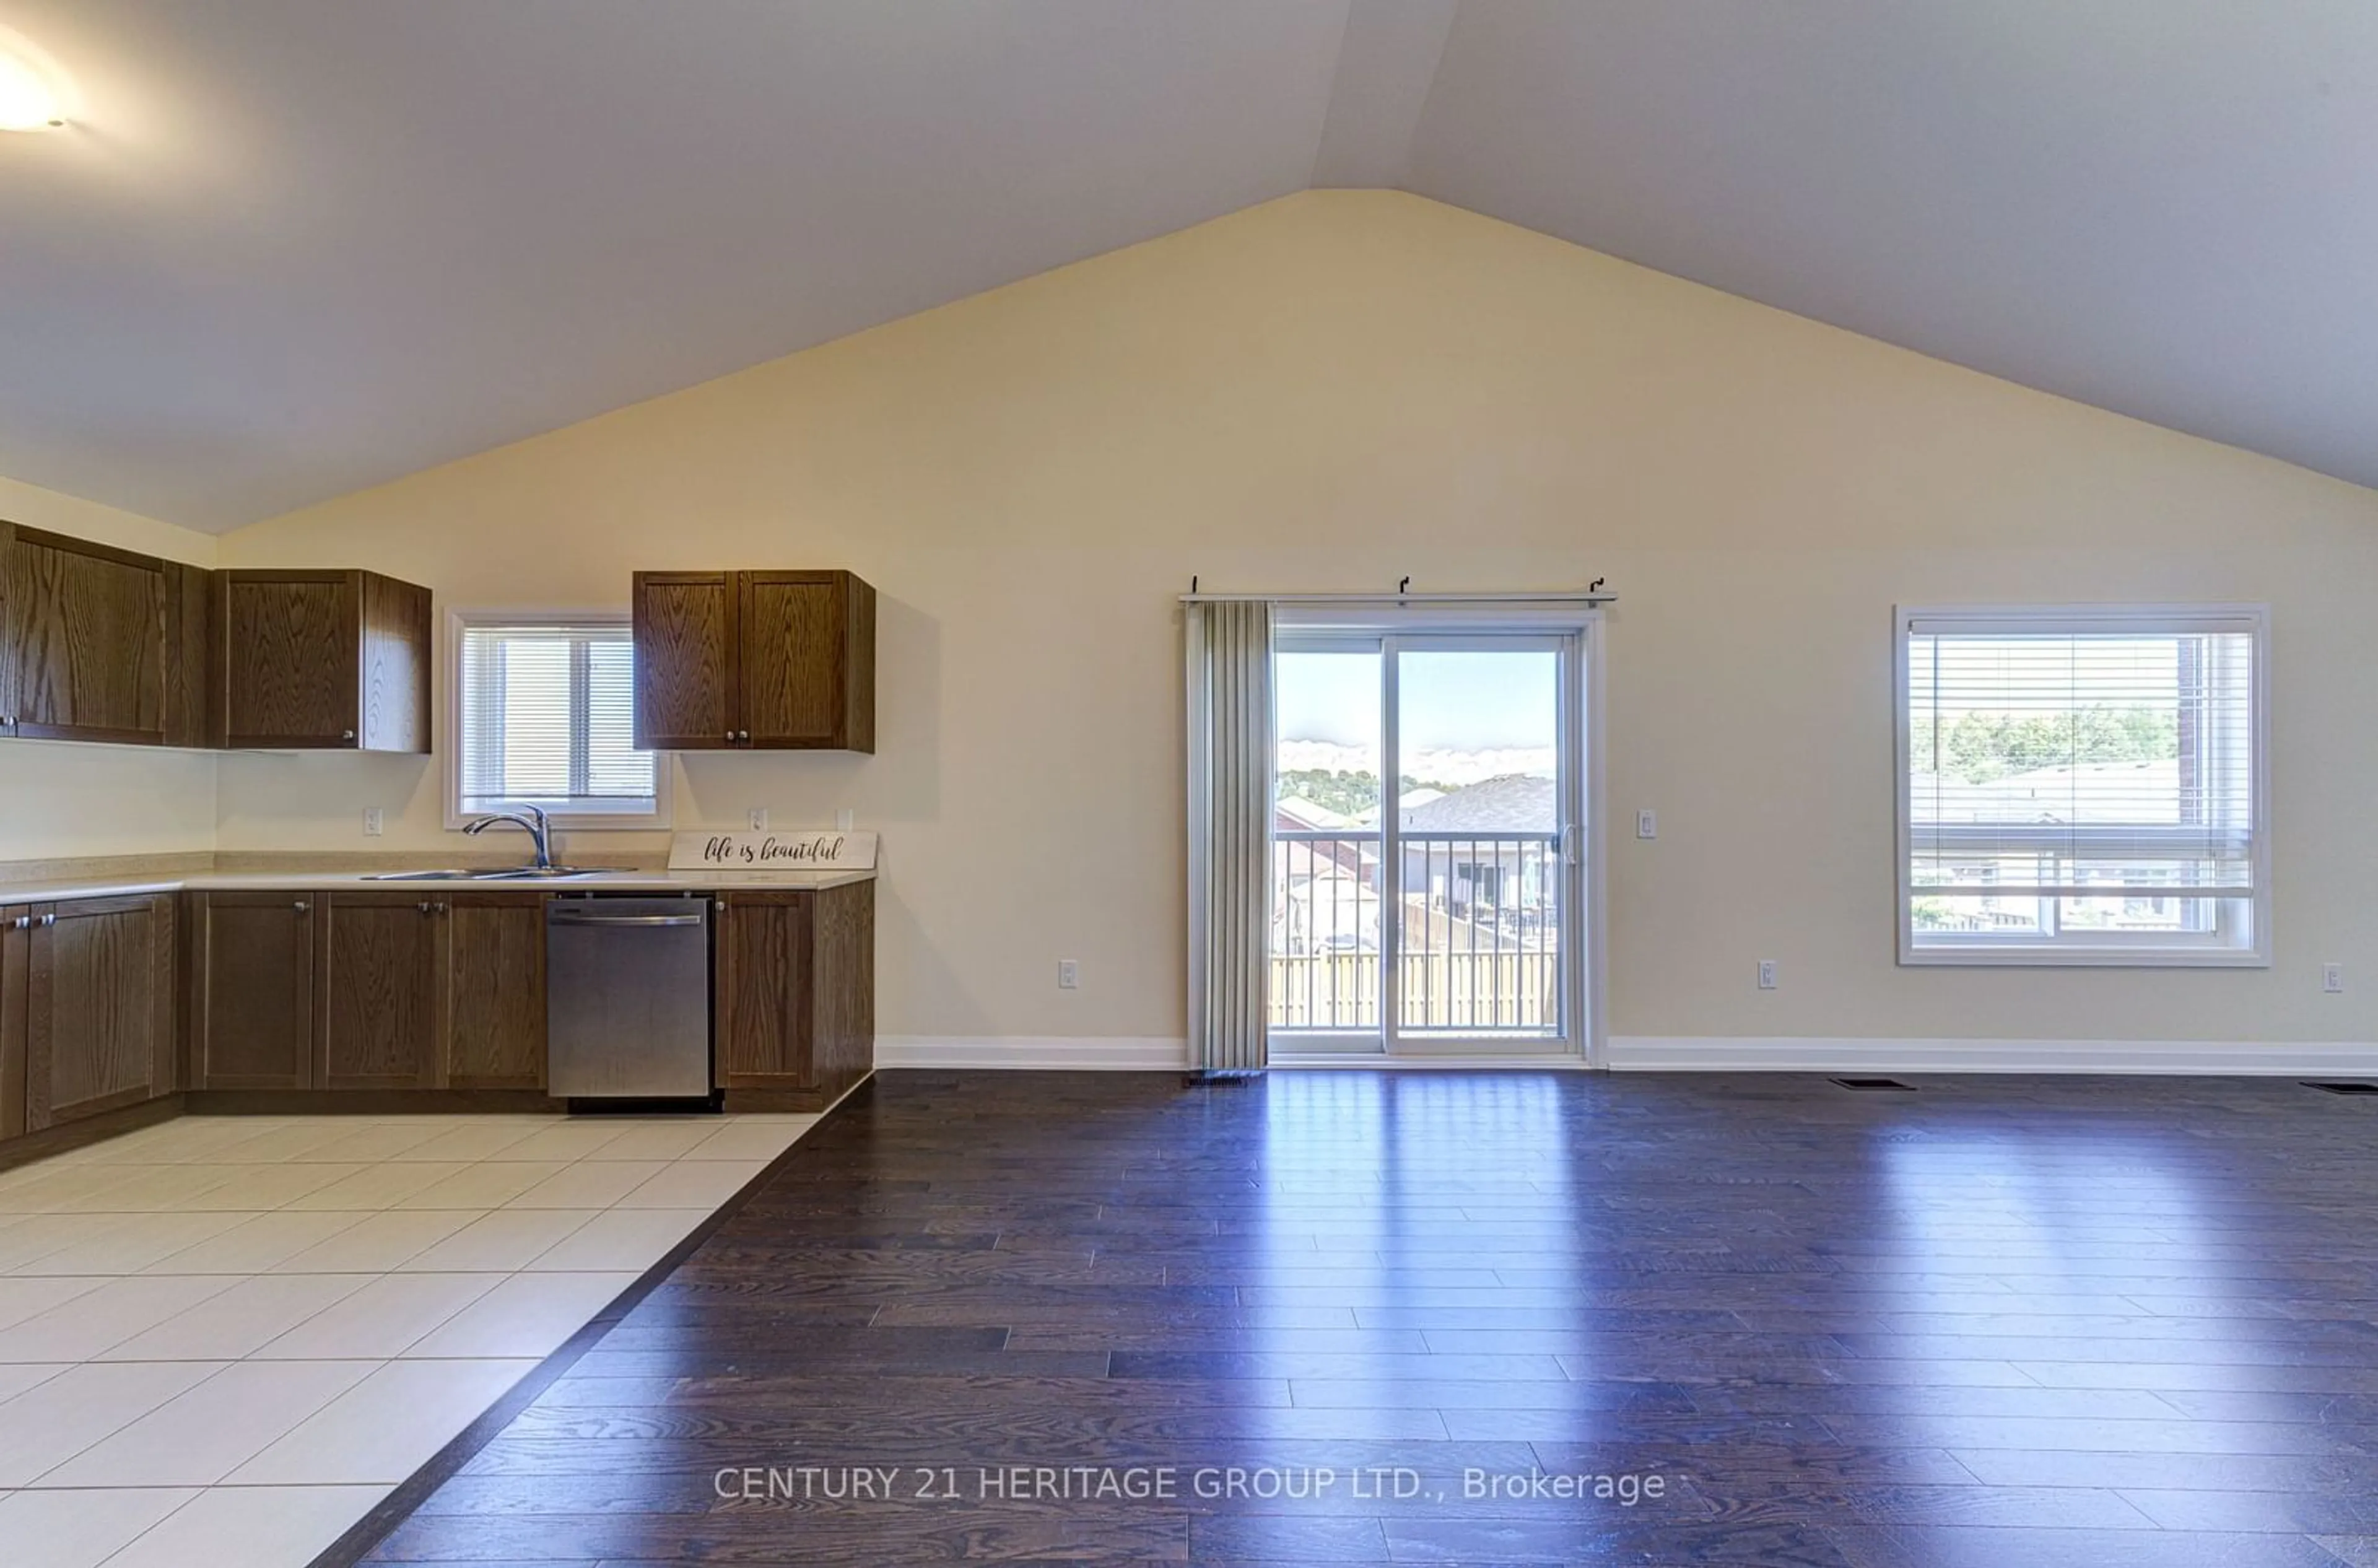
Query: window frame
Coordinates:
[2222,948]
[450,726]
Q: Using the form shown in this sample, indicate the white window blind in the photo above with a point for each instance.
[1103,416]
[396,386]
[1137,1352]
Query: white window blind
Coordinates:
[547,718]
[2082,786]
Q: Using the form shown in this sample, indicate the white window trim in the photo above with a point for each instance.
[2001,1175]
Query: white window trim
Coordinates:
[2138,950]
[1311,621]
[450,721]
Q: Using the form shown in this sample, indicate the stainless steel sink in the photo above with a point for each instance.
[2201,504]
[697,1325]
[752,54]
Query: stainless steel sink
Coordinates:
[535,873]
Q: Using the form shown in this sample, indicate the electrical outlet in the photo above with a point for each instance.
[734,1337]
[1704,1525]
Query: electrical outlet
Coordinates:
[2332,977]
[373,822]
[842,820]
[1069,975]
[1647,824]
[757,816]
[1766,973]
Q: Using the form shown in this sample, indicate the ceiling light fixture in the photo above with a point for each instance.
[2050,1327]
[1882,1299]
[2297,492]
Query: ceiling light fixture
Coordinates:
[28,102]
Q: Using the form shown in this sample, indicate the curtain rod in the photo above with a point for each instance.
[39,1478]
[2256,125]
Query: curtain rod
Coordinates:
[1553,596]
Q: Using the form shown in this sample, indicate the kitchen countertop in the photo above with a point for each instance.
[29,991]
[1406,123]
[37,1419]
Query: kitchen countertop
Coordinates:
[359,881]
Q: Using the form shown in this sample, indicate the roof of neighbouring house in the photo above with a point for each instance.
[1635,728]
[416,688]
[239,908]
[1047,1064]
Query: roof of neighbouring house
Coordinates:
[1514,803]
[1304,813]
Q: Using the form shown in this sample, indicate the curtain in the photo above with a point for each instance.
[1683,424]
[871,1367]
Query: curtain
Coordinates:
[1229,833]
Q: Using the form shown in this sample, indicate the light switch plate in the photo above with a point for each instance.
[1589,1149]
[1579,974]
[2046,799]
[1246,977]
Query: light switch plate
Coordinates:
[757,816]
[1069,975]
[1647,824]
[374,823]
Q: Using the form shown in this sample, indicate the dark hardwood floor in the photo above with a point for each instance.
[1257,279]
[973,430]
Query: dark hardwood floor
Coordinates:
[1998,1322]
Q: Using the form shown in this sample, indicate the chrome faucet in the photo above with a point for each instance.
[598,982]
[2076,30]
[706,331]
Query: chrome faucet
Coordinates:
[529,819]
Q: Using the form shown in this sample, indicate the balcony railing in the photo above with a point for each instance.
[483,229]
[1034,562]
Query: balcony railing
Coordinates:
[1477,935]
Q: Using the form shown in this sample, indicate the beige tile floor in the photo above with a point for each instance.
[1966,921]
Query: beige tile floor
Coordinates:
[224,1338]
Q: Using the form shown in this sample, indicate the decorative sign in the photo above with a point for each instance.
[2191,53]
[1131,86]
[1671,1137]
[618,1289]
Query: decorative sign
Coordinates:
[804,849]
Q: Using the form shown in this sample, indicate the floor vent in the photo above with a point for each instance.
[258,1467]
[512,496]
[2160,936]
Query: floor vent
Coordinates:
[2344,1088]
[1874,1084]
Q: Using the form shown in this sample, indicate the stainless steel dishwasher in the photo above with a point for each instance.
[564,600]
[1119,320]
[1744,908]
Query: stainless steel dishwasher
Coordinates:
[628,998]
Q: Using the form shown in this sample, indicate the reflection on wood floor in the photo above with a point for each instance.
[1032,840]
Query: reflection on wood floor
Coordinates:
[2005,1323]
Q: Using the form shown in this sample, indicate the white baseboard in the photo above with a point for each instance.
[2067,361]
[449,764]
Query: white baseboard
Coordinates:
[1077,1054]
[1654,1053]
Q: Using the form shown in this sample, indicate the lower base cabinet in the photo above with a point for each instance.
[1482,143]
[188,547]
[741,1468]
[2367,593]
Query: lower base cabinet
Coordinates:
[382,984]
[795,990]
[99,1007]
[496,1008]
[252,990]
[16,950]
[109,1002]
[368,991]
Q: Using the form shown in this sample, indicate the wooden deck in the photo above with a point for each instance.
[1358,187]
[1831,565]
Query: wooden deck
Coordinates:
[2000,1323]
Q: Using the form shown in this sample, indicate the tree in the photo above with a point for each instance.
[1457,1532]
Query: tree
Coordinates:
[1353,794]
[1982,745]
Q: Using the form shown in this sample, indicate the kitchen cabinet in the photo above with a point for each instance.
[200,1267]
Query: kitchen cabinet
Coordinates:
[495,1006]
[99,1007]
[98,644]
[367,991]
[319,659]
[794,1002]
[16,949]
[252,990]
[380,988]
[755,661]
[687,670]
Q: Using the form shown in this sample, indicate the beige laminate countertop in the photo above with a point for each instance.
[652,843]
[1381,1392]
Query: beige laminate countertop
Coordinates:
[360,881]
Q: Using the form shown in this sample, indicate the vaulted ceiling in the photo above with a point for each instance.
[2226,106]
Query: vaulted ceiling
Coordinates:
[291,248]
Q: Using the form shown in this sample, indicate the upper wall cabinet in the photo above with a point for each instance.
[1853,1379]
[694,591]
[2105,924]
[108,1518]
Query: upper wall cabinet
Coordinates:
[759,660]
[99,643]
[309,660]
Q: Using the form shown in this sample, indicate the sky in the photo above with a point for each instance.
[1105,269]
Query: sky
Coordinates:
[1452,702]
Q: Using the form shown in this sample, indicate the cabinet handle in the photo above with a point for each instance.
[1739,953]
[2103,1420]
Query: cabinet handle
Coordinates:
[730,738]
[22,922]
[743,736]
[300,906]
[438,906]
[423,906]
[49,919]
[346,734]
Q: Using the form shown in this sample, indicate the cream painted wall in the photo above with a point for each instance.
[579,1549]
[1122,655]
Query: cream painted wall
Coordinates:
[60,800]
[1334,391]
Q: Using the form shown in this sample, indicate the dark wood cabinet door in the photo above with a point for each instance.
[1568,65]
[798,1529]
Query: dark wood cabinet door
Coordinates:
[289,648]
[86,634]
[395,666]
[687,678]
[796,627]
[253,998]
[763,976]
[379,992]
[189,620]
[841,1006]
[16,945]
[495,1037]
[99,1006]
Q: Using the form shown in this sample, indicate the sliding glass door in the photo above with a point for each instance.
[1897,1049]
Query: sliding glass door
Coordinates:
[1426,875]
